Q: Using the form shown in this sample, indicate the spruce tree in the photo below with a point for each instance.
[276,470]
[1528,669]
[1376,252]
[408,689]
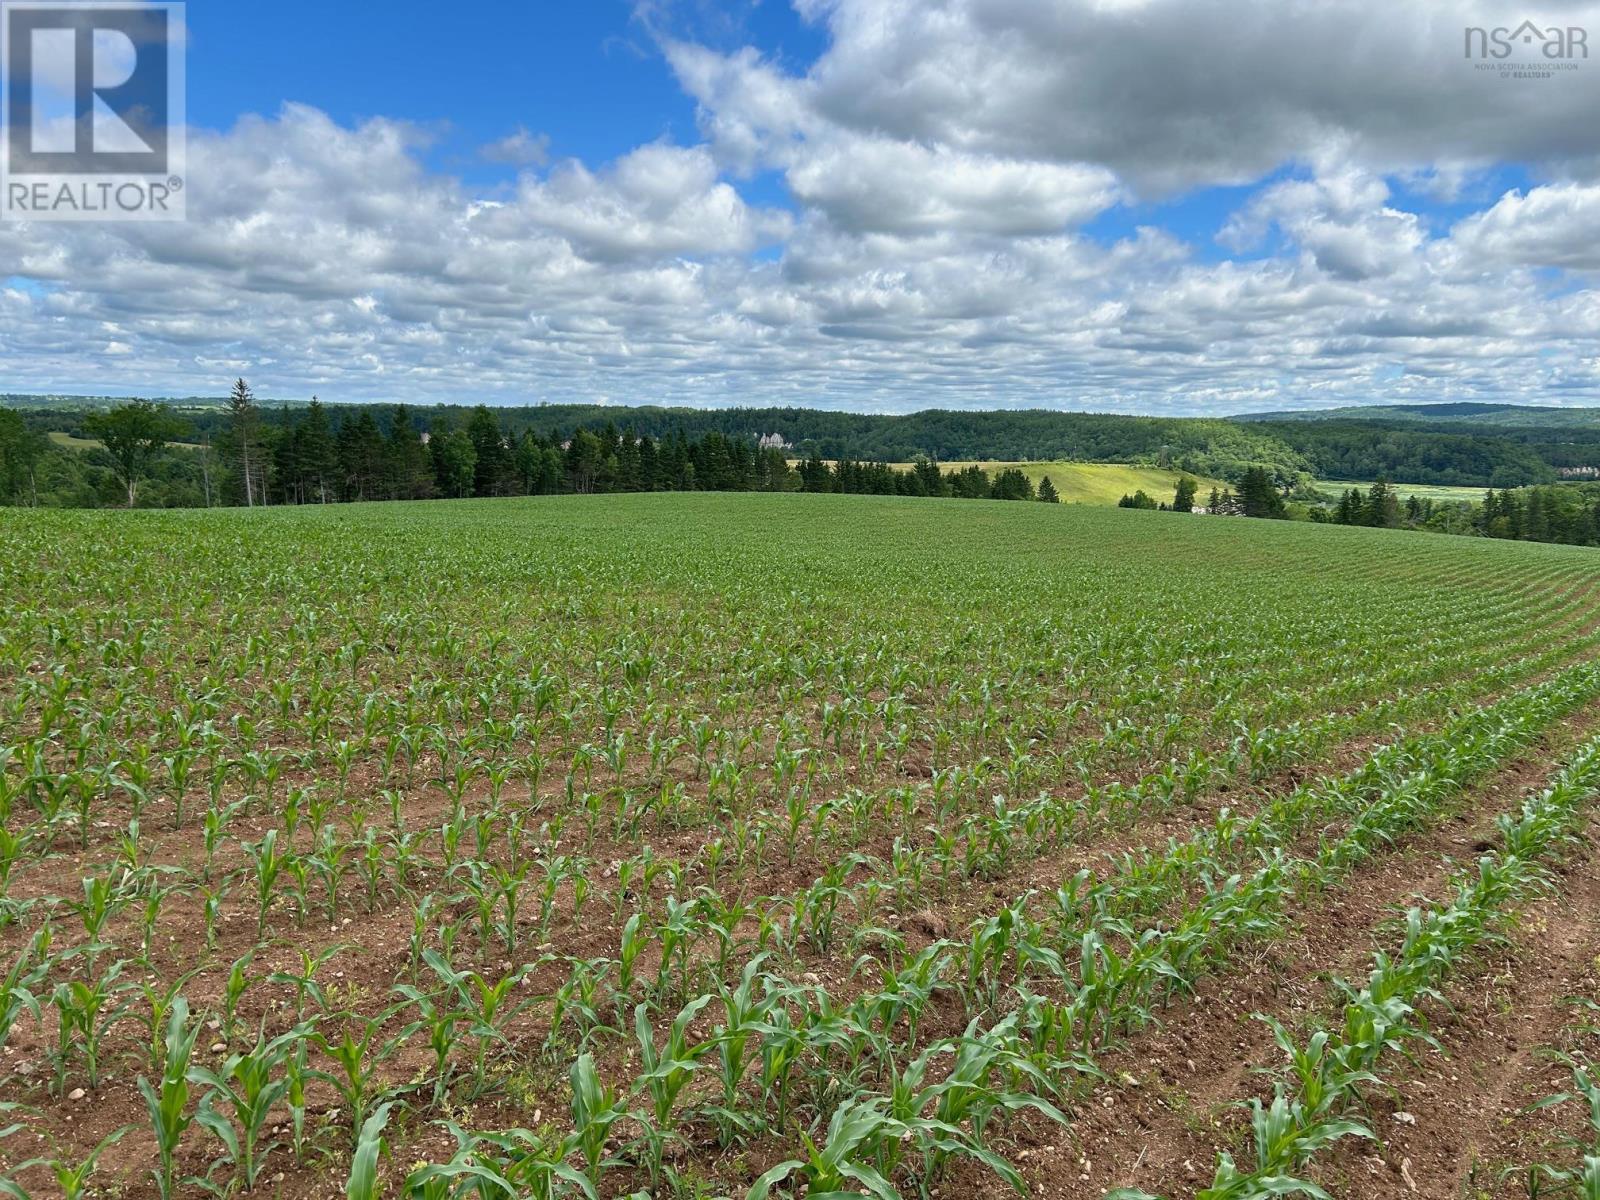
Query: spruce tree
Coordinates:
[1257,495]
[244,431]
[410,469]
[316,459]
[1383,506]
[493,460]
[1183,497]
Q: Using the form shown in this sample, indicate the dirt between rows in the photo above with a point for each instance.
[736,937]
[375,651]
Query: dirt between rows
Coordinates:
[1459,1123]
[1178,1086]
[1165,1068]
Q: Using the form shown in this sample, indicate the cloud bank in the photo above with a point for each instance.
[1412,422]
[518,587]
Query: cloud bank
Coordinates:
[960,203]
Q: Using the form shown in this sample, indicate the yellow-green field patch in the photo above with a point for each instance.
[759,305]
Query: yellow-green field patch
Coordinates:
[1099,483]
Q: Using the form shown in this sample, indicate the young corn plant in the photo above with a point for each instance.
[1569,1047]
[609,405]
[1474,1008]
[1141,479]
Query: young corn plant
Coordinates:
[439,1018]
[359,1059]
[364,1182]
[72,1178]
[161,1003]
[513,1163]
[981,1084]
[101,901]
[859,1134]
[168,1103]
[269,863]
[234,987]
[249,1086]
[596,1110]
[1582,1180]
[23,979]
[83,1018]
[488,1005]
[305,982]
[666,1072]
[737,1040]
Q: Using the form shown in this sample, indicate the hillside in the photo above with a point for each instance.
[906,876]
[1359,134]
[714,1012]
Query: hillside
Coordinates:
[1461,445]
[1521,416]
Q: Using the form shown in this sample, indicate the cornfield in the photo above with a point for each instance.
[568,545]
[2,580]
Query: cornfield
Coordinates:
[780,846]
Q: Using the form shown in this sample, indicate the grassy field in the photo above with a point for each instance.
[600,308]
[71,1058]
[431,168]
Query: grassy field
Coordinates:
[1422,491]
[68,442]
[1097,483]
[722,845]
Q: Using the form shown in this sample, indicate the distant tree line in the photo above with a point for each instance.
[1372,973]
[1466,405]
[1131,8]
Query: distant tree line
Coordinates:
[924,478]
[1292,451]
[148,456]
[1201,446]
[1441,455]
[1258,496]
[1566,513]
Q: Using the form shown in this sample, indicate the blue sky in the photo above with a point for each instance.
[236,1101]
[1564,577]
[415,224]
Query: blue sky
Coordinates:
[587,75]
[1167,206]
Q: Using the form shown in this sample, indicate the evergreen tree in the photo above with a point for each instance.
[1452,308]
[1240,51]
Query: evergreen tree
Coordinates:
[650,465]
[583,461]
[1535,521]
[315,457]
[970,483]
[360,448]
[815,476]
[1011,484]
[1257,495]
[928,475]
[1183,497]
[410,469]
[1382,508]
[1047,491]
[244,436]
[493,469]
[529,459]
[628,464]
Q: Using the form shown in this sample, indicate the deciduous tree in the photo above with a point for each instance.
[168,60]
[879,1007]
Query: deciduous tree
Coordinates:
[133,434]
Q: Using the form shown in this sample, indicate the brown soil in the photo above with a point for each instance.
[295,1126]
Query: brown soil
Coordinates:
[1174,1102]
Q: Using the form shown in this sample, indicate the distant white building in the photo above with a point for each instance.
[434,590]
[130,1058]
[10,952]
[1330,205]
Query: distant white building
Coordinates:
[773,441]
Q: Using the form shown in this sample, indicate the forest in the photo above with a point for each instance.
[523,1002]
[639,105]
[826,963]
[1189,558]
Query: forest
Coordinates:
[1568,513]
[139,456]
[1450,450]
[142,454]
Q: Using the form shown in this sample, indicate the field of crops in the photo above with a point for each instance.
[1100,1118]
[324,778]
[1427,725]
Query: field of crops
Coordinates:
[782,845]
